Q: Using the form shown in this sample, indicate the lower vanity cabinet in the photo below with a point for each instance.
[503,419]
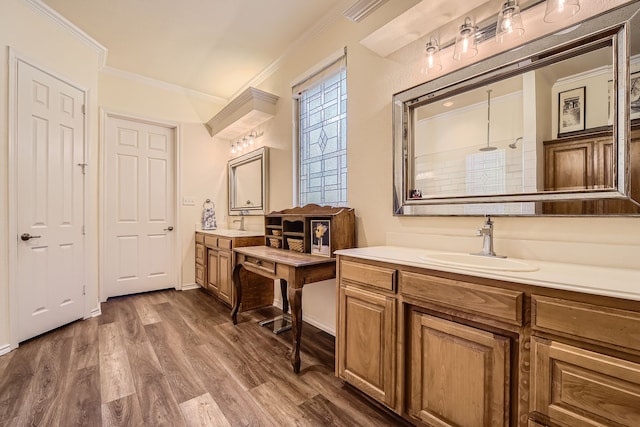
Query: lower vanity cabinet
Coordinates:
[215,262]
[584,363]
[366,349]
[458,375]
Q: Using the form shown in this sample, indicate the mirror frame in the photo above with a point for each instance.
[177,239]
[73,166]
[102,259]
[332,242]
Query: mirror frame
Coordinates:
[612,26]
[261,155]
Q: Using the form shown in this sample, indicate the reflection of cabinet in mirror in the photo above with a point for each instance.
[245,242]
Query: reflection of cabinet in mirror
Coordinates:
[583,163]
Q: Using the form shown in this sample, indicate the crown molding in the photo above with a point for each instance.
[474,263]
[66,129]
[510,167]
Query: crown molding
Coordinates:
[67,25]
[162,85]
[361,9]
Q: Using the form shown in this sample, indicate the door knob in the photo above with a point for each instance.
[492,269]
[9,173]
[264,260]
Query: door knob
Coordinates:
[27,236]
[169,228]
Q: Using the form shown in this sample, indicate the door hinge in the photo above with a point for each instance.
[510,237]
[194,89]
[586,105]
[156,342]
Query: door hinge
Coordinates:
[84,290]
[84,109]
[83,231]
[83,166]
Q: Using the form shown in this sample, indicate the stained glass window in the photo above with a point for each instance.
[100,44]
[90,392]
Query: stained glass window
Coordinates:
[322,139]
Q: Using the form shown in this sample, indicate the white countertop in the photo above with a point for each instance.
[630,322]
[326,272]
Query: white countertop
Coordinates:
[613,282]
[231,233]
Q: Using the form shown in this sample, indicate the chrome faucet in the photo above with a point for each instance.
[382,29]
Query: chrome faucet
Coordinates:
[241,220]
[487,239]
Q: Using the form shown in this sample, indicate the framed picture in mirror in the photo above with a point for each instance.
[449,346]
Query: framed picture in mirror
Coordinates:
[634,95]
[571,110]
[320,237]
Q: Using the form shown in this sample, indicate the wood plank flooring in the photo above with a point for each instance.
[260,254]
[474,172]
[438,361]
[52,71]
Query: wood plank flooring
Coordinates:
[171,358]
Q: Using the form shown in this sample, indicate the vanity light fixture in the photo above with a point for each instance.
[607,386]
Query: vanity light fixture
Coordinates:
[233,148]
[509,24]
[466,44]
[433,64]
[558,10]
[252,137]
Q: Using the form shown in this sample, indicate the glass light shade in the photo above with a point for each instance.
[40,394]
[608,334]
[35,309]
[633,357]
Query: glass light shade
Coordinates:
[233,148]
[466,44]
[432,63]
[558,10]
[509,24]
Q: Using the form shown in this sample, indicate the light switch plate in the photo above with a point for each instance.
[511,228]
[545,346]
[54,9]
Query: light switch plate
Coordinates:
[188,201]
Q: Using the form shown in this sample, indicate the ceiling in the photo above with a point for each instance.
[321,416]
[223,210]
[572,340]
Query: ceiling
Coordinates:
[216,47]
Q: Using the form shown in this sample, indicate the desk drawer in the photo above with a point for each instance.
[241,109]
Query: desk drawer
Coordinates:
[224,243]
[259,263]
[502,304]
[370,275]
[211,241]
[603,324]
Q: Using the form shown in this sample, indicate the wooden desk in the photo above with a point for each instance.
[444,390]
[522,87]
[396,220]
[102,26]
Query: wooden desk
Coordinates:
[293,268]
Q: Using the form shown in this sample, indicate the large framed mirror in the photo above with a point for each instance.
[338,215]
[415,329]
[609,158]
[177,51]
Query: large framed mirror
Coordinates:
[549,128]
[248,183]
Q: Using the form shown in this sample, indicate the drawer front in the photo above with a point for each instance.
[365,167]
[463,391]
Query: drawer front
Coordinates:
[199,238]
[224,243]
[602,324]
[261,264]
[503,304]
[211,241]
[573,386]
[200,251]
[370,275]
[200,274]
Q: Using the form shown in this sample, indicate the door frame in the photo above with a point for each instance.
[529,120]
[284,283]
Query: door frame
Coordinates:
[105,115]
[90,241]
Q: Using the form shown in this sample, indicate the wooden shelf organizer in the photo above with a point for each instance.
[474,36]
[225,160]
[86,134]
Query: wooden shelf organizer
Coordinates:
[295,223]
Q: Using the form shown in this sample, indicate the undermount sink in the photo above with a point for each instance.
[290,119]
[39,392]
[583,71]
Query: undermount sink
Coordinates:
[476,262]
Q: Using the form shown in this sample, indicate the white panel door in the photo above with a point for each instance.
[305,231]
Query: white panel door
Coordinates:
[50,202]
[139,207]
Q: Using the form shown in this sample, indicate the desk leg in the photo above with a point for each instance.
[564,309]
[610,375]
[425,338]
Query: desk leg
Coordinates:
[238,286]
[295,301]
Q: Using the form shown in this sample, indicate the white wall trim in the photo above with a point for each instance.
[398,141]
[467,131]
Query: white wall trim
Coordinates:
[148,81]
[67,25]
[14,58]
[104,115]
[190,286]
[4,349]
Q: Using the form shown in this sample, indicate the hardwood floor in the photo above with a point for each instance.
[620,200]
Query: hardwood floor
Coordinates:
[175,359]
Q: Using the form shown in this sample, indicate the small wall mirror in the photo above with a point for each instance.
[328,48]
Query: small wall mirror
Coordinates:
[545,129]
[248,183]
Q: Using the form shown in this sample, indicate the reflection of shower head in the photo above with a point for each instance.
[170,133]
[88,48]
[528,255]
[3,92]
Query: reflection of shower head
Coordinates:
[513,144]
[488,148]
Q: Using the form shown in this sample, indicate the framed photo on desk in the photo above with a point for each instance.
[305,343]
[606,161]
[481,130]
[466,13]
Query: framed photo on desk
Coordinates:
[320,237]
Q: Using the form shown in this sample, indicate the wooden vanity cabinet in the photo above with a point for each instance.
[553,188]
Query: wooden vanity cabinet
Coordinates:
[585,366]
[215,261]
[366,350]
[447,349]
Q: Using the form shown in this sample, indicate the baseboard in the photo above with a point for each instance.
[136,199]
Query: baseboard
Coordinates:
[5,349]
[190,286]
[96,311]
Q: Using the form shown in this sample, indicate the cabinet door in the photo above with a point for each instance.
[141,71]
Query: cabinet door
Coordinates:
[573,386]
[367,346]
[225,268]
[212,270]
[569,166]
[459,375]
